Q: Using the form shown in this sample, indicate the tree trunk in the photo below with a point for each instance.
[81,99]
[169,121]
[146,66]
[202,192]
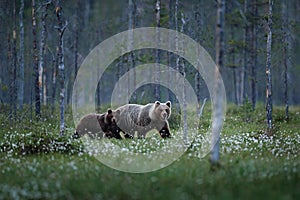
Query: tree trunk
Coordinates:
[244,74]
[54,82]
[21,58]
[170,55]
[158,52]
[285,55]
[61,67]
[35,63]
[184,107]
[13,85]
[218,110]
[176,42]
[42,87]
[131,60]
[75,49]
[269,104]
[253,39]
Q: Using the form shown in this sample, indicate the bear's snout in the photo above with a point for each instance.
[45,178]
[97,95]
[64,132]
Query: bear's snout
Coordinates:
[165,115]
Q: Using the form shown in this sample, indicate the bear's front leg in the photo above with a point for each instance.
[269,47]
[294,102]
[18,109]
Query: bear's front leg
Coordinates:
[127,135]
[165,131]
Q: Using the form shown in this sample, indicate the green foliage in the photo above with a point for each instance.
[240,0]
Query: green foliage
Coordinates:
[253,165]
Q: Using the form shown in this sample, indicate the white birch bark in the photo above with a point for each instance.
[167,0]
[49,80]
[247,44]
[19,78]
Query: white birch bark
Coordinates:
[217,106]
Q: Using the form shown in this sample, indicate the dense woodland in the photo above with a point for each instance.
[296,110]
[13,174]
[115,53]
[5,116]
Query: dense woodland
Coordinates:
[255,45]
[43,44]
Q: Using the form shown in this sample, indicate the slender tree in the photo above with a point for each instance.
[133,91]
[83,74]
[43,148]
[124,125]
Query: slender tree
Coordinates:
[21,57]
[35,62]
[170,55]
[269,104]
[218,110]
[61,29]
[158,52]
[183,23]
[285,48]
[246,42]
[42,85]
[200,24]
[13,85]
[253,51]
[131,60]
[75,47]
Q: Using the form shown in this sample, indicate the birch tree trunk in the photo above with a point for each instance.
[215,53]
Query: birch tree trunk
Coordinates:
[285,55]
[269,104]
[61,67]
[42,87]
[21,57]
[54,80]
[184,107]
[218,110]
[35,63]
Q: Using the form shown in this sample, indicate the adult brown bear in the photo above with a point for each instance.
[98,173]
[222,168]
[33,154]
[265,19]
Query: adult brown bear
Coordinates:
[98,125]
[133,118]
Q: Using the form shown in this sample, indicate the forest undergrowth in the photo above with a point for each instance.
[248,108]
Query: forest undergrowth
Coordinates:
[37,163]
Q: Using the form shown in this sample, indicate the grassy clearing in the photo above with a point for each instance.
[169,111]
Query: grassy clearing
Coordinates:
[36,163]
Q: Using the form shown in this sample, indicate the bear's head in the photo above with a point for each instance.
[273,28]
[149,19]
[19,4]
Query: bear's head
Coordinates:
[108,124]
[161,111]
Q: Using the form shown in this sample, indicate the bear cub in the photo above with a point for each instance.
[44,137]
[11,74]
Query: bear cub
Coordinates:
[98,125]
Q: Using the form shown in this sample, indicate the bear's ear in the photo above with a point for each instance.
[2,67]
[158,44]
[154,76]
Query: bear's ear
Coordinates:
[168,103]
[109,111]
[116,112]
[157,103]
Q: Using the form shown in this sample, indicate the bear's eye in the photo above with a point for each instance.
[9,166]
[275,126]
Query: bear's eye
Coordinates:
[167,110]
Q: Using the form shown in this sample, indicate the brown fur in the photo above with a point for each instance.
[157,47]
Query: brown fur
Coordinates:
[98,125]
[133,118]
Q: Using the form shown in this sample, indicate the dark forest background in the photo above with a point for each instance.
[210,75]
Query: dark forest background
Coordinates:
[30,47]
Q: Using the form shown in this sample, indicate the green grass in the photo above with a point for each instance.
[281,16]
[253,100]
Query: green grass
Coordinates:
[252,165]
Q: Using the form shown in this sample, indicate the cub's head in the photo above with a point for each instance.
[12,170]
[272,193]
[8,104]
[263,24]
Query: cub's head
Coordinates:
[108,124]
[162,111]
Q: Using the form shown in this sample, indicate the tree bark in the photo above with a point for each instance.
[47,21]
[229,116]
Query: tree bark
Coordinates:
[158,52]
[131,60]
[218,110]
[184,107]
[21,58]
[42,86]
[244,88]
[75,49]
[269,104]
[253,39]
[170,55]
[13,85]
[35,63]
[61,67]
[285,55]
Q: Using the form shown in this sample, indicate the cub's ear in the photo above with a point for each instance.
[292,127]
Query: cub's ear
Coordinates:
[109,111]
[168,103]
[157,103]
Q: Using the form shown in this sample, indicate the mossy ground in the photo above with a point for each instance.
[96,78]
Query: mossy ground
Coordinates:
[36,163]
